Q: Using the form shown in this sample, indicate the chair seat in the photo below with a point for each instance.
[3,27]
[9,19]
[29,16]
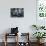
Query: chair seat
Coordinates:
[9,34]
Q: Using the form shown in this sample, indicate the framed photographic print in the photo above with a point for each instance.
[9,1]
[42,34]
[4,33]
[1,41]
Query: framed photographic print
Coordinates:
[17,12]
[41,12]
[41,8]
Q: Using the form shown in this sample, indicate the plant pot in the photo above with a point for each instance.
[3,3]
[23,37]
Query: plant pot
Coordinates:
[40,41]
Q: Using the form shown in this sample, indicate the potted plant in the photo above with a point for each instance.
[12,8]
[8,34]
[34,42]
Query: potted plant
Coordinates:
[38,27]
[39,35]
[42,27]
[35,26]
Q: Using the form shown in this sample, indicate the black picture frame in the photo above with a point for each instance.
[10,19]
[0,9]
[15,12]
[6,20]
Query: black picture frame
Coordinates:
[17,12]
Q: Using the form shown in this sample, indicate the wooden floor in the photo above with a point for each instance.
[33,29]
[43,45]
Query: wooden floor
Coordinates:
[13,44]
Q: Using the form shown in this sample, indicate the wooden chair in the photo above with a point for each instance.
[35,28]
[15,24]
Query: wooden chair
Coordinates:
[8,34]
[27,37]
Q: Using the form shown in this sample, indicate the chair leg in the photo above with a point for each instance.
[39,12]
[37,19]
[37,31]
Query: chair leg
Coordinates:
[5,43]
[17,39]
[5,40]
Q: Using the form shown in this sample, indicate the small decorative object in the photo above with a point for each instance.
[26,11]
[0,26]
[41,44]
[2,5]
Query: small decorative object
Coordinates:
[22,44]
[14,30]
[17,12]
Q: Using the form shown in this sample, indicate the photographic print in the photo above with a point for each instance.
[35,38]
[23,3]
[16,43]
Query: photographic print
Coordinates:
[17,12]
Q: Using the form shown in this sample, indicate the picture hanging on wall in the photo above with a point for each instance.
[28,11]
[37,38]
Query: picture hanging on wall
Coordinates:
[41,8]
[17,12]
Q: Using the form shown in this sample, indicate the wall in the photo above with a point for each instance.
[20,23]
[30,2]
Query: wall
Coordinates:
[24,23]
